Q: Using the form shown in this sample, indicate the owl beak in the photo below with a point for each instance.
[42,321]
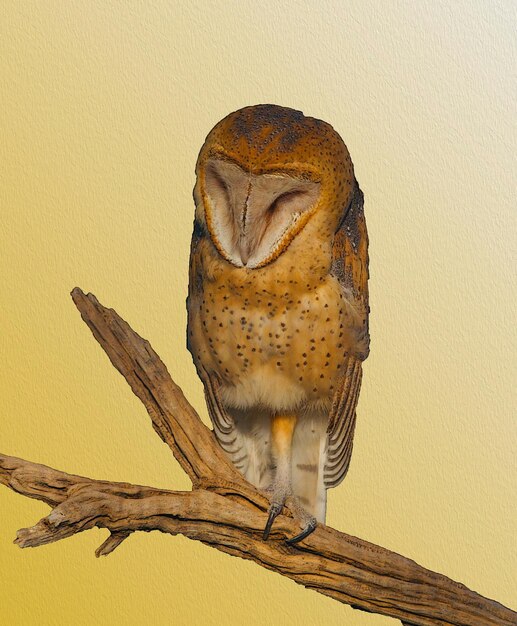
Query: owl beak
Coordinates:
[244,251]
[244,244]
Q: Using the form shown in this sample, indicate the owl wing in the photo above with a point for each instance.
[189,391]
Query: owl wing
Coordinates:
[224,426]
[350,268]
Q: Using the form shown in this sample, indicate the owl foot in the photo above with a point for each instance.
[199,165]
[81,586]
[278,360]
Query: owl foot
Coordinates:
[308,522]
[278,493]
[308,529]
[274,511]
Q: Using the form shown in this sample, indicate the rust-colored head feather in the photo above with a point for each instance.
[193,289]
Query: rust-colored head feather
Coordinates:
[272,140]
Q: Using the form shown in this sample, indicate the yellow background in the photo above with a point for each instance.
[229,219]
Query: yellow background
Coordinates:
[103,108]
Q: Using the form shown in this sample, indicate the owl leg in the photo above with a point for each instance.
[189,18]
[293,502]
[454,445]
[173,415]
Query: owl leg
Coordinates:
[282,430]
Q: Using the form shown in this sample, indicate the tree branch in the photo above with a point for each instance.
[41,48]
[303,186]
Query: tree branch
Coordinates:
[225,511]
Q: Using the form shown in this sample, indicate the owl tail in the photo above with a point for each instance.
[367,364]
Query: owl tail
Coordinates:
[308,464]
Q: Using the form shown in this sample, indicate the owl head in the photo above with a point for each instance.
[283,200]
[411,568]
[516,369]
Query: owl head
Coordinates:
[263,173]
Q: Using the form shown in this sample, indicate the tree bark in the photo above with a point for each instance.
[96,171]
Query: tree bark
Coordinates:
[225,511]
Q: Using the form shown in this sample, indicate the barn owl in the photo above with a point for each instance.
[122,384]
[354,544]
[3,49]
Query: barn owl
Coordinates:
[278,302]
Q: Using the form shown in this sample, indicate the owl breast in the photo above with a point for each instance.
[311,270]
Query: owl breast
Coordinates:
[280,345]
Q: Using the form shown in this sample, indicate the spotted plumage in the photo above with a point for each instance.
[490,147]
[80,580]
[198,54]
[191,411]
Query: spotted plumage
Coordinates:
[278,299]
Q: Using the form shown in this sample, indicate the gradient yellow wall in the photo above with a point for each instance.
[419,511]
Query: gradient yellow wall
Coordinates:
[103,108]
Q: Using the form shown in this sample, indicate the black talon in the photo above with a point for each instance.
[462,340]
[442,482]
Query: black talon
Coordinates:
[311,526]
[274,512]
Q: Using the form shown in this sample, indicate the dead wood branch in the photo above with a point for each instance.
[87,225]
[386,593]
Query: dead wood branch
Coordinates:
[225,511]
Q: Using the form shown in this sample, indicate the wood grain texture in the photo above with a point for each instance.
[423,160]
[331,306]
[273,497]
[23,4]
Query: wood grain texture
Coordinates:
[225,511]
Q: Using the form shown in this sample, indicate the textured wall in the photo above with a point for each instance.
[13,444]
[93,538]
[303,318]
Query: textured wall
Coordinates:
[103,108]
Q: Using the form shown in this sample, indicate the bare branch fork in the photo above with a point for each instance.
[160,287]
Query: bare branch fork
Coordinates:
[225,511]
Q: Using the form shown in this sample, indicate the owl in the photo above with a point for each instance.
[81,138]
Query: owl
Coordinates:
[278,302]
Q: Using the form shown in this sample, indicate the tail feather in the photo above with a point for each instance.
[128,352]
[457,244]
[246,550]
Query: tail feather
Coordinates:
[253,432]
